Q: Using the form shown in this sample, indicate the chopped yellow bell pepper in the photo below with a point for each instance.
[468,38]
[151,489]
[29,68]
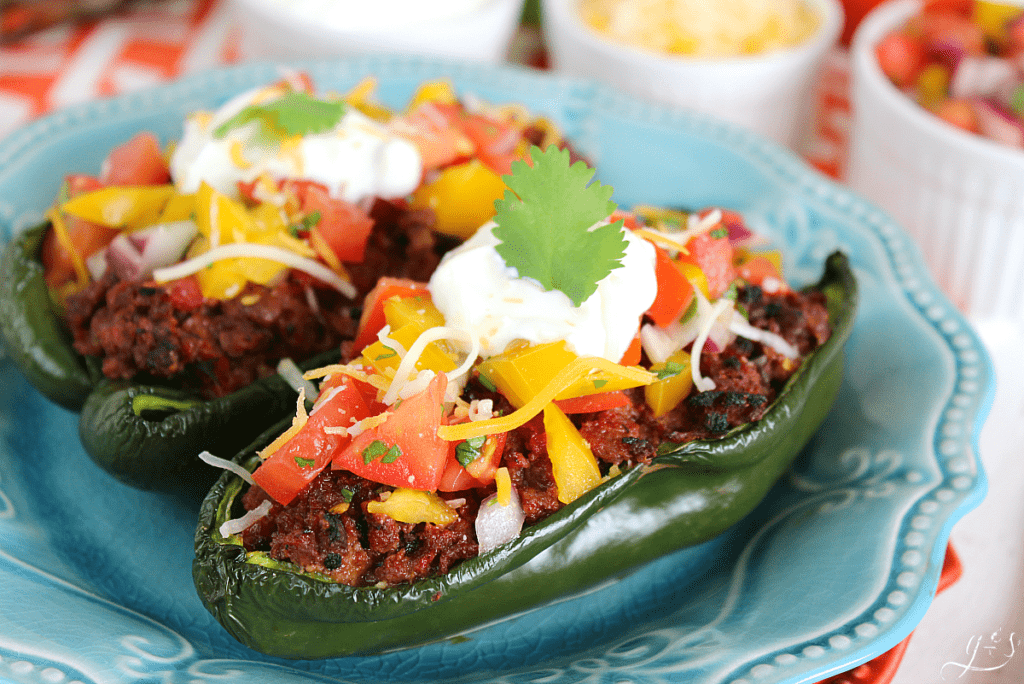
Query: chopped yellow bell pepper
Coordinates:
[665,394]
[401,311]
[414,506]
[433,91]
[519,374]
[385,360]
[178,208]
[572,462]
[131,207]
[462,198]
[579,370]
[994,18]
[696,277]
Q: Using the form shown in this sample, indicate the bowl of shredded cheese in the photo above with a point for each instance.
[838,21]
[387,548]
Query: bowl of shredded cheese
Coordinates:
[471,30]
[751,62]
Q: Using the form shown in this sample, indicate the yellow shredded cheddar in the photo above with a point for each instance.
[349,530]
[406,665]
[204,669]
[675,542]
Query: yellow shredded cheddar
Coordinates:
[504,484]
[565,378]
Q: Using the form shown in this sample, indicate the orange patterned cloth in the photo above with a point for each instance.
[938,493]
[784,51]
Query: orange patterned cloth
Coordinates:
[141,46]
[153,41]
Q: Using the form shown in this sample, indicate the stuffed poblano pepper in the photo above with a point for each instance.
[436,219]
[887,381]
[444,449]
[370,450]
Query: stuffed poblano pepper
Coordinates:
[190,272]
[569,370]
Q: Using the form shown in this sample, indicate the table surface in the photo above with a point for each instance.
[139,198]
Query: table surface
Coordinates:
[973,631]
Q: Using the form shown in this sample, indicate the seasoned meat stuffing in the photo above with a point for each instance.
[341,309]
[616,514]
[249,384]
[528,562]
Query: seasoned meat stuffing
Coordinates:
[144,331]
[357,548]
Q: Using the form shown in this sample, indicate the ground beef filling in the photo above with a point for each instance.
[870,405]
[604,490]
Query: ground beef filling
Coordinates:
[141,331]
[327,529]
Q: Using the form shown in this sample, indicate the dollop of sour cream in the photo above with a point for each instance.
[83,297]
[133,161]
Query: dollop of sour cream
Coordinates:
[478,292]
[358,159]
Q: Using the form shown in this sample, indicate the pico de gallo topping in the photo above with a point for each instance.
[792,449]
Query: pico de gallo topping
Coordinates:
[962,60]
[257,235]
[441,438]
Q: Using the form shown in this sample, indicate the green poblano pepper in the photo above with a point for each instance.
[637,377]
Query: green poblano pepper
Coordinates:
[34,334]
[685,496]
[146,436]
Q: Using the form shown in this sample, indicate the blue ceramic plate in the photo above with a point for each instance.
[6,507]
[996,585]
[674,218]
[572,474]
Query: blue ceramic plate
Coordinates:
[837,566]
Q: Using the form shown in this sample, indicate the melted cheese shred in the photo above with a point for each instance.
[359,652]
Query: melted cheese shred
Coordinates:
[435,334]
[567,377]
[240,250]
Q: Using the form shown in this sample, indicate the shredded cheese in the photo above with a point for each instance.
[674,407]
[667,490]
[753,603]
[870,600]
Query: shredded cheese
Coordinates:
[297,424]
[742,327]
[504,486]
[563,380]
[233,527]
[218,462]
[405,368]
[60,229]
[699,381]
[241,250]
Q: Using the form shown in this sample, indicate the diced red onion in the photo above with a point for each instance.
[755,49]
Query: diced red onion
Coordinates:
[497,524]
[997,124]
[132,256]
[96,263]
[981,76]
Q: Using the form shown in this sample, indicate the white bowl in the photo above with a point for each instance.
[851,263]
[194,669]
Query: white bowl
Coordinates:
[959,195]
[771,94]
[273,29]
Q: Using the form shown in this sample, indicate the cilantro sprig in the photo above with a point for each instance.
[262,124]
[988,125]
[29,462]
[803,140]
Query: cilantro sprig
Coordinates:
[294,113]
[544,223]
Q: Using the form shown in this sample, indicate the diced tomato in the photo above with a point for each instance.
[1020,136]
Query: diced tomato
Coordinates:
[478,473]
[633,352]
[87,238]
[674,291]
[79,183]
[495,141]
[901,58]
[455,478]
[757,269]
[343,226]
[959,113]
[185,294]
[289,469]
[433,128]
[593,402]
[372,319]
[950,36]
[404,450]
[712,253]
[139,161]
[961,7]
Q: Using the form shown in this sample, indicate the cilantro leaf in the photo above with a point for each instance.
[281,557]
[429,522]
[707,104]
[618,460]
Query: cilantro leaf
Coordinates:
[544,224]
[290,115]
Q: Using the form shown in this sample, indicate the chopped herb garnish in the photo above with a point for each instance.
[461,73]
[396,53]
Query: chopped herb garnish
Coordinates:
[719,233]
[375,450]
[290,115]
[544,223]
[346,494]
[392,455]
[468,451]
[305,462]
[598,384]
[690,312]
[486,382]
[386,355]
[671,369]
